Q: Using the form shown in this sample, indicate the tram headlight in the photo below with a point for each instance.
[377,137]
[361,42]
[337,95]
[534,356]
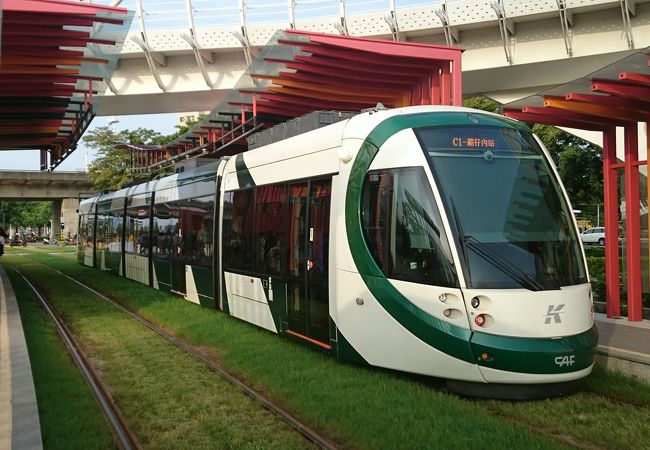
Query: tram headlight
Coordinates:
[475,302]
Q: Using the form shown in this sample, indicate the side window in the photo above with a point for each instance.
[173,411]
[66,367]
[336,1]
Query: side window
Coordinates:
[238,229]
[270,237]
[137,230]
[403,229]
[165,231]
[196,230]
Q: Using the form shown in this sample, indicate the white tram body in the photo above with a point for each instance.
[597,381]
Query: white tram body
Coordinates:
[432,240]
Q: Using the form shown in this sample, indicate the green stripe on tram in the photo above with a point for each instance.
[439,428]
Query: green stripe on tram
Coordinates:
[244,177]
[505,351]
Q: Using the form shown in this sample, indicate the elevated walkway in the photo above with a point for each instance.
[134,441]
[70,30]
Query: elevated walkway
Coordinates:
[20,428]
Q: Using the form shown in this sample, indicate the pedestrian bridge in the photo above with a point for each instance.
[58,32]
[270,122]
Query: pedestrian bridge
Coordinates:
[185,56]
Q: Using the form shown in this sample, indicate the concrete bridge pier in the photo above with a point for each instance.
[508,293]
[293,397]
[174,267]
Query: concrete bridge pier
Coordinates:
[56,217]
[69,208]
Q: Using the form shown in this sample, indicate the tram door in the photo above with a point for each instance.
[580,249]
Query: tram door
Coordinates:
[178,262]
[307,302]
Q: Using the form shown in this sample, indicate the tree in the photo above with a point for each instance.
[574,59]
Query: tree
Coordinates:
[26,214]
[111,168]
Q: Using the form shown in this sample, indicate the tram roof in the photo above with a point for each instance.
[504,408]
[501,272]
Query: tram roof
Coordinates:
[55,56]
[616,95]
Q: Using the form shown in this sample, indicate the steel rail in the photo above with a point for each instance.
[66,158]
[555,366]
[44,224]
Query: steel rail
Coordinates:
[307,432]
[126,439]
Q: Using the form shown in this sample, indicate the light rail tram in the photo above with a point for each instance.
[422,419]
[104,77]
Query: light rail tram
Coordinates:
[432,240]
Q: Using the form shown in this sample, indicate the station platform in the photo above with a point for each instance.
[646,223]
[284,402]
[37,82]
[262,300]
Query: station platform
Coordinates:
[624,345]
[19,423]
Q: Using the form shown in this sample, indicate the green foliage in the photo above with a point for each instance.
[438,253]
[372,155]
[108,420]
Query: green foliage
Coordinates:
[26,214]
[110,170]
[580,165]
[593,250]
[482,103]
[181,129]
[596,266]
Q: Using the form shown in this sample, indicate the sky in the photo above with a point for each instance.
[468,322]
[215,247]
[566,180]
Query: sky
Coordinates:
[30,159]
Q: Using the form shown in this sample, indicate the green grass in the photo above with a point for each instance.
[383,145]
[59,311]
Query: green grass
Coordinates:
[170,400]
[69,415]
[368,408]
[33,248]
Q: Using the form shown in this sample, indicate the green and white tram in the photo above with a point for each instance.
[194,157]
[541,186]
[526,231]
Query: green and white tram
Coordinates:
[431,240]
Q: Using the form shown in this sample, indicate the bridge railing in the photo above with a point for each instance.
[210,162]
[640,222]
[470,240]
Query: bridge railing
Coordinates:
[167,14]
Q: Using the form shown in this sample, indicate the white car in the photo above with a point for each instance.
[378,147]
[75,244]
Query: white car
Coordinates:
[594,235]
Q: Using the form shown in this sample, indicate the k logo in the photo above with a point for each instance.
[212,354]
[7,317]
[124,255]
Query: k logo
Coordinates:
[553,314]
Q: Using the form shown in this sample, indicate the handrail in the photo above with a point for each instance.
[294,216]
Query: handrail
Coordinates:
[226,140]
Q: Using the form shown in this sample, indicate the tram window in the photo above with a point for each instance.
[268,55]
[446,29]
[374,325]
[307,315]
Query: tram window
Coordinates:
[270,238]
[137,231]
[183,230]
[165,231]
[114,236]
[238,229]
[403,229]
[86,230]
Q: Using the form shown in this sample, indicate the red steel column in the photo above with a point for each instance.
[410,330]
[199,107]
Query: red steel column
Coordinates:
[647,140]
[632,224]
[610,187]
[457,81]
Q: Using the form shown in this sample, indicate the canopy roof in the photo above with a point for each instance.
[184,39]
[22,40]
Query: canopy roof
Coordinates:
[298,72]
[55,56]
[613,96]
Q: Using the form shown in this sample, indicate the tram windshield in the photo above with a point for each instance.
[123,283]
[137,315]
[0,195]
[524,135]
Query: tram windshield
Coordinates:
[513,226]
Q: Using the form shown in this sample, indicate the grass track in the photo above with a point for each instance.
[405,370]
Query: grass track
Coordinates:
[372,409]
[68,412]
[169,399]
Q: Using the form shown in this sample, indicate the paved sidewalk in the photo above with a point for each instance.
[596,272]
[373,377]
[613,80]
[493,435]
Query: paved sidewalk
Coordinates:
[19,424]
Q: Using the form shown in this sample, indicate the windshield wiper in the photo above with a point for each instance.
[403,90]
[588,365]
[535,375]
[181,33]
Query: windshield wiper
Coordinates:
[459,229]
[501,263]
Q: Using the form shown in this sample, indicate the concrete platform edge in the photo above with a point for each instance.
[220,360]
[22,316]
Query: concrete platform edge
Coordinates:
[19,422]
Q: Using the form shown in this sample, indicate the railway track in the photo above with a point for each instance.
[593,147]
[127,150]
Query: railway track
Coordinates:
[120,427]
[126,439]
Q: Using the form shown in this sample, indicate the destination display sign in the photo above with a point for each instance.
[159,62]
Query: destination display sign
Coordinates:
[473,142]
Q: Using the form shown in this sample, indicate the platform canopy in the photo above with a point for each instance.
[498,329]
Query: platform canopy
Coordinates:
[55,56]
[615,96]
[298,72]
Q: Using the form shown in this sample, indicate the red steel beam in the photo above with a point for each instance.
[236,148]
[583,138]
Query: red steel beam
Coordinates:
[360,56]
[366,68]
[555,120]
[605,112]
[621,89]
[573,115]
[388,48]
[633,77]
[615,102]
